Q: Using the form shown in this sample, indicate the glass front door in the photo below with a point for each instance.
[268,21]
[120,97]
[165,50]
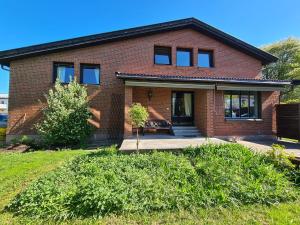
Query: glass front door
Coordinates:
[182,108]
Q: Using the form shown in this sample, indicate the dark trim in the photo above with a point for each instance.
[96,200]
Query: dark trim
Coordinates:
[217,80]
[211,58]
[168,50]
[193,107]
[83,65]
[56,64]
[92,40]
[189,50]
[240,93]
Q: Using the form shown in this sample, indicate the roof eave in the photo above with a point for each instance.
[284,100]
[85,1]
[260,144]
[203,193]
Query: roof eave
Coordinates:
[205,80]
[264,57]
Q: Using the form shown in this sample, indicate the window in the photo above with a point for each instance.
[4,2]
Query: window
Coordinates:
[205,59]
[2,102]
[162,55]
[184,57]
[64,71]
[89,74]
[241,104]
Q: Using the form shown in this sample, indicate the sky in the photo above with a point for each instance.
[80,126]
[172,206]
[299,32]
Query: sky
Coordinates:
[258,22]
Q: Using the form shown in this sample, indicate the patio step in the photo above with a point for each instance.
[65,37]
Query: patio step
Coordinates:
[186,131]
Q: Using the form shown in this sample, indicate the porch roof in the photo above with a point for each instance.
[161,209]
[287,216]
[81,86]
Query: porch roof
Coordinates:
[220,83]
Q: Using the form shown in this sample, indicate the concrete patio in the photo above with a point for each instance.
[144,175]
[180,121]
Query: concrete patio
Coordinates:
[165,142]
[170,142]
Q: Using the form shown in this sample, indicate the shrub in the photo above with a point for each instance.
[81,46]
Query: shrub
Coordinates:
[65,116]
[2,134]
[104,183]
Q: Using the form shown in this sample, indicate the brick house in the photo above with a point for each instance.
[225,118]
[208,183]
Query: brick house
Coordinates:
[183,71]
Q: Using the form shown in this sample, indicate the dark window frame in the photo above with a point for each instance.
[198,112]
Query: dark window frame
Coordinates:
[211,58]
[56,64]
[159,47]
[240,93]
[190,50]
[83,65]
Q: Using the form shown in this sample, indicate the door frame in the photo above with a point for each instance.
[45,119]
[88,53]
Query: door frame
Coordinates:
[193,112]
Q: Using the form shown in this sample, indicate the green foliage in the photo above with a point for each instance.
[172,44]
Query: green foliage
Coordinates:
[138,115]
[282,161]
[2,134]
[23,140]
[288,65]
[65,116]
[109,183]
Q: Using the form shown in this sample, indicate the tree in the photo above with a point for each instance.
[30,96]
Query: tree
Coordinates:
[138,115]
[65,116]
[288,65]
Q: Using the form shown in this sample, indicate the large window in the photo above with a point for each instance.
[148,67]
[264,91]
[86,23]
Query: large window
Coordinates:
[64,72]
[205,59]
[89,74]
[162,55]
[242,104]
[184,57]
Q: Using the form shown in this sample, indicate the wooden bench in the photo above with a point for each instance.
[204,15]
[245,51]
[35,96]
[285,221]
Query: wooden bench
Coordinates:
[157,125]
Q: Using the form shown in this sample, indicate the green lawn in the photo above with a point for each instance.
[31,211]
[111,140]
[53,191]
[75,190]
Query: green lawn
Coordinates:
[18,169]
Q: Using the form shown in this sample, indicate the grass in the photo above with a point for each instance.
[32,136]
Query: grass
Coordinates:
[18,170]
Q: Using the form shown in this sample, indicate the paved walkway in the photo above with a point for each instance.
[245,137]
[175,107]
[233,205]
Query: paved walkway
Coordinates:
[166,142]
[265,145]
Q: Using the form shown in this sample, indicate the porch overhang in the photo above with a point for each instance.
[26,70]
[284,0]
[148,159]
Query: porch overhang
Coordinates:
[168,84]
[167,81]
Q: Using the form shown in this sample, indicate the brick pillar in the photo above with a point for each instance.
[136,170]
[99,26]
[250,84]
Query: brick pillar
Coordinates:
[210,112]
[128,102]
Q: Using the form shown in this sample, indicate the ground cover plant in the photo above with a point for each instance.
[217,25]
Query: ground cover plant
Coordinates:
[106,183]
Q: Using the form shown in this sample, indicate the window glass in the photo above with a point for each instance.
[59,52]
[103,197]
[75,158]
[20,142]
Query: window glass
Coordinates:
[205,59]
[162,55]
[241,104]
[253,109]
[244,106]
[235,106]
[227,101]
[90,74]
[184,57]
[64,72]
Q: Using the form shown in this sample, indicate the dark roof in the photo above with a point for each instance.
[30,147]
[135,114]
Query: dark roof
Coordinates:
[9,55]
[128,76]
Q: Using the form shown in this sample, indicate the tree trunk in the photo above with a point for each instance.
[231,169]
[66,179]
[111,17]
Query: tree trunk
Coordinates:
[137,140]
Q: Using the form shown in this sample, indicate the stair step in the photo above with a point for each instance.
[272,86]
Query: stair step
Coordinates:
[185,128]
[186,131]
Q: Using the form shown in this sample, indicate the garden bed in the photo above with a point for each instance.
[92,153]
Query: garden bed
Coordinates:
[110,183]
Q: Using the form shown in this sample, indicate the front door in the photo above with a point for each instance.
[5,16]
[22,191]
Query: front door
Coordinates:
[182,108]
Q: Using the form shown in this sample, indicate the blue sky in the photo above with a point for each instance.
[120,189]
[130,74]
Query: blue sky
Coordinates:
[29,22]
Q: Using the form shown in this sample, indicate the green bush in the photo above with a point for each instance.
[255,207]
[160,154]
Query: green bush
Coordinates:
[105,182]
[65,116]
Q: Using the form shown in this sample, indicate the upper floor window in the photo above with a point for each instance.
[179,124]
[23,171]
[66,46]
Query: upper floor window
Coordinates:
[89,74]
[184,57]
[162,55]
[241,104]
[64,72]
[205,59]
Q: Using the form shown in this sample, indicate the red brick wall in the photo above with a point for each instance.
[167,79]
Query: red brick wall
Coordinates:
[159,107]
[240,128]
[31,78]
